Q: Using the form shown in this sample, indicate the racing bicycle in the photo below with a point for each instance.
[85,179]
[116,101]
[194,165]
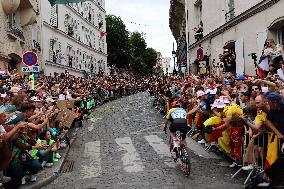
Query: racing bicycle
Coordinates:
[180,153]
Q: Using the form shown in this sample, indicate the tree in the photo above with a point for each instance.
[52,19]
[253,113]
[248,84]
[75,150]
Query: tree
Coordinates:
[126,49]
[117,40]
[150,60]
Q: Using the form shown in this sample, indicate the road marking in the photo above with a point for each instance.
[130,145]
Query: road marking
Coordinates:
[161,149]
[199,150]
[131,159]
[91,167]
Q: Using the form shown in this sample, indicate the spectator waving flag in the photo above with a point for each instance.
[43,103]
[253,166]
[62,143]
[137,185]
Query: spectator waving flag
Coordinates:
[53,2]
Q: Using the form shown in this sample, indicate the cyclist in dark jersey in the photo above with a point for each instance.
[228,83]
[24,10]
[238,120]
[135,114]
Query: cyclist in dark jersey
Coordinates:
[177,116]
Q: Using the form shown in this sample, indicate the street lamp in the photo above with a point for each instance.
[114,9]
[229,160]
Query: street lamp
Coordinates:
[174,54]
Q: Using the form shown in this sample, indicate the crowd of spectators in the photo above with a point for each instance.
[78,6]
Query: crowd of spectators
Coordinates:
[242,116]
[36,115]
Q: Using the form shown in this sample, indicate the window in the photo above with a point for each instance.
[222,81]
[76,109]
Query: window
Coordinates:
[281,36]
[200,13]
[187,15]
[231,4]
[35,37]
[100,21]
[230,10]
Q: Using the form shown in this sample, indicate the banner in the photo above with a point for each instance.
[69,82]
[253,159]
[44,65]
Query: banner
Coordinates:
[53,2]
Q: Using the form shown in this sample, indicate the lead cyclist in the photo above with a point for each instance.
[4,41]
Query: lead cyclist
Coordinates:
[177,117]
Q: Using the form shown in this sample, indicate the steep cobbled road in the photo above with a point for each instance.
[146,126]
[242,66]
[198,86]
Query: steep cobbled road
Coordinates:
[122,146]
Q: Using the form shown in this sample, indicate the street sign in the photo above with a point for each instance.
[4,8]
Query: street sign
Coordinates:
[27,69]
[200,54]
[30,58]
[34,69]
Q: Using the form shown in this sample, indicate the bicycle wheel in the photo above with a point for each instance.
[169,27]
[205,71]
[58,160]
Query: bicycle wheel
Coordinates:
[186,165]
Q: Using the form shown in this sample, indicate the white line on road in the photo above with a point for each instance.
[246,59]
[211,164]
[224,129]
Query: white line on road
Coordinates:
[92,162]
[131,159]
[199,150]
[161,149]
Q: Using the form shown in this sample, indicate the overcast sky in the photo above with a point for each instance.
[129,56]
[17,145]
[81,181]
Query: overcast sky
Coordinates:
[153,17]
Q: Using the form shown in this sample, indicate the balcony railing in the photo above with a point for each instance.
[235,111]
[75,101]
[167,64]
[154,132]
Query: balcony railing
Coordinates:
[13,29]
[230,15]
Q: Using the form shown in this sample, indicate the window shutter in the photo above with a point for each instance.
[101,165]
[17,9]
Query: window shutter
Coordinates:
[51,46]
[240,61]
[54,16]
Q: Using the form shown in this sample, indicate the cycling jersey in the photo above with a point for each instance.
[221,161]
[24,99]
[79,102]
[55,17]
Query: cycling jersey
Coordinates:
[177,116]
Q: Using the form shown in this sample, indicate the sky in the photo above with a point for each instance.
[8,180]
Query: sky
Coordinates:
[148,16]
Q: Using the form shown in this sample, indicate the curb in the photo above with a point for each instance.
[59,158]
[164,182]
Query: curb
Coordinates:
[50,176]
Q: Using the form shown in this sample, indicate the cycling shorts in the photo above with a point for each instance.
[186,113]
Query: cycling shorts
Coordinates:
[179,125]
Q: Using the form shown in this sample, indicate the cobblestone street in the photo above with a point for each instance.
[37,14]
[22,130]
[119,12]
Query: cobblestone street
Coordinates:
[122,146]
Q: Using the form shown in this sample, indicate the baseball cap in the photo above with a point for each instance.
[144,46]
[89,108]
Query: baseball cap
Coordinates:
[240,78]
[274,96]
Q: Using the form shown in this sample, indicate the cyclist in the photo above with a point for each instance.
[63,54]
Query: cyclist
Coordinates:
[177,116]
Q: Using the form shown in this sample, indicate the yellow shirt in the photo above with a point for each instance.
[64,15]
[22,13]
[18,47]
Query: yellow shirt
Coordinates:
[260,119]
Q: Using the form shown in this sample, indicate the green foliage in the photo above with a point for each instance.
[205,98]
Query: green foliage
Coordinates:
[117,40]
[128,49]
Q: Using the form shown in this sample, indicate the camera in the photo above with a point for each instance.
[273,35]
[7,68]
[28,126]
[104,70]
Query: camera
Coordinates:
[253,56]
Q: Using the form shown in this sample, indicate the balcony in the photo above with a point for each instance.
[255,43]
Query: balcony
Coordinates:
[14,31]
[230,15]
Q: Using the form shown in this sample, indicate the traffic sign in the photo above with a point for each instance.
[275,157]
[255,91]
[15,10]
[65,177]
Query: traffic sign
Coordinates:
[200,54]
[30,58]
[35,69]
[27,69]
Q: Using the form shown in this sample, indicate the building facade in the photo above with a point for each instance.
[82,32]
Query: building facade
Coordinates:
[241,27]
[20,31]
[178,27]
[163,65]
[74,38]
[166,65]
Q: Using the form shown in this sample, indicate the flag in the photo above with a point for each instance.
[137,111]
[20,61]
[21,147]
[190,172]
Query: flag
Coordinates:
[53,2]
[272,150]
[32,80]
[102,34]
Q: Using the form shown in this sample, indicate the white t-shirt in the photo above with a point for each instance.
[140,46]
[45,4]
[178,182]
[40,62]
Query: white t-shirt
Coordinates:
[62,97]
[280,73]
[264,64]
[2,130]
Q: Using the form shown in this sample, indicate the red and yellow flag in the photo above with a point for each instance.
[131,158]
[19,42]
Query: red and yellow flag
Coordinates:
[272,150]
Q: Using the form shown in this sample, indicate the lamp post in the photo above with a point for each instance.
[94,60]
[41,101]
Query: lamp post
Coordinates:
[174,56]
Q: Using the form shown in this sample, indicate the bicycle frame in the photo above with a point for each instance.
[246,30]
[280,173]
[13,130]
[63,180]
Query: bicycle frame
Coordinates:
[181,153]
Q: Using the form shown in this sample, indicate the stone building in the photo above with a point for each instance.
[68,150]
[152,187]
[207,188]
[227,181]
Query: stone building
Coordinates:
[20,29]
[178,27]
[237,25]
[74,38]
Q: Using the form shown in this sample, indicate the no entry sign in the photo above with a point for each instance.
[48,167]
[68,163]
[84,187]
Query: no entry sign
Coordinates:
[30,58]
[200,54]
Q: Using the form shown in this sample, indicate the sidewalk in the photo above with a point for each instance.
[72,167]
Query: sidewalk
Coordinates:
[47,175]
